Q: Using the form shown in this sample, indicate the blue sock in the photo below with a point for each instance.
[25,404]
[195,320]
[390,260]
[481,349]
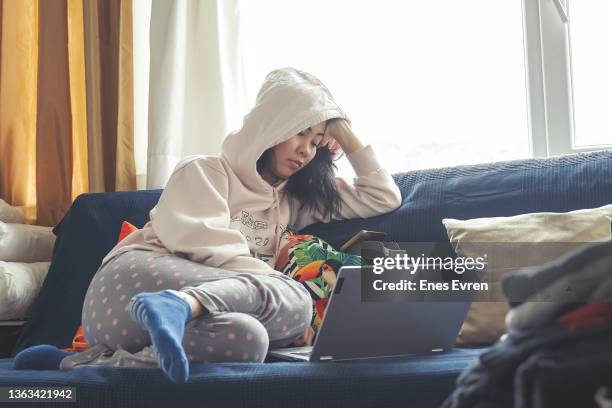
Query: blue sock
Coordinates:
[164,315]
[41,357]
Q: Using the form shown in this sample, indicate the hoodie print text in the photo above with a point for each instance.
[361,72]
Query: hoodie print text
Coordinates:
[258,233]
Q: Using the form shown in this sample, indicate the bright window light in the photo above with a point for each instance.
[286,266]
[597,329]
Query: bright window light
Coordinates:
[590,33]
[428,84]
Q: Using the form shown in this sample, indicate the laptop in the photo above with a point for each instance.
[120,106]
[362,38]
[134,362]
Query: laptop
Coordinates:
[353,329]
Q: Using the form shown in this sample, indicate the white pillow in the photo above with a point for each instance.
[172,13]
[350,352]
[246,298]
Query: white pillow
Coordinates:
[8,213]
[19,286]
[506,242]
[25,243]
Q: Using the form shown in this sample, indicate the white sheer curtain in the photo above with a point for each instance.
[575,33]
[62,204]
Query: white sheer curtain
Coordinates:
[196,81]
[426,86]
[141,16]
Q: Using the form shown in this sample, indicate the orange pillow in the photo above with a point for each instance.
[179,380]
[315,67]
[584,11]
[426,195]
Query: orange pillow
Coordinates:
[126,229]
[78,342]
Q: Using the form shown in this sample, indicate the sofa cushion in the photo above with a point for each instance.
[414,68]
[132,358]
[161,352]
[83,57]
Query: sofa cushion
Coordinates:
[19,284]
[512,243]
[11,214]
[25,243]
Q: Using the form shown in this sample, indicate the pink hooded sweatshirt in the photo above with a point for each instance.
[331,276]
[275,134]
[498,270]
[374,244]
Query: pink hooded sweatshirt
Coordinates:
[219,211]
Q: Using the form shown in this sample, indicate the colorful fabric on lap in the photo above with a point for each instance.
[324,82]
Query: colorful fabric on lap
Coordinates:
[313,262]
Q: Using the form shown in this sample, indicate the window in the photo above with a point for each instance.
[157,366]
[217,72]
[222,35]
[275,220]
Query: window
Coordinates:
[567,85]
[591,65]
[428,84]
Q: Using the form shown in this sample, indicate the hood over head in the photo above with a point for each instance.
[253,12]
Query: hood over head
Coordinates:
[288,102]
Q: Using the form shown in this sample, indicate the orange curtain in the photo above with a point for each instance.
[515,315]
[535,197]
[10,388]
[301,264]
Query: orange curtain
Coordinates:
[110,101]
[46,137]
[76,72]
[18,97]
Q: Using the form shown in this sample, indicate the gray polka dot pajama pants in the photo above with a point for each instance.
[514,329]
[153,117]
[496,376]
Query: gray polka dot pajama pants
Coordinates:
[248,312]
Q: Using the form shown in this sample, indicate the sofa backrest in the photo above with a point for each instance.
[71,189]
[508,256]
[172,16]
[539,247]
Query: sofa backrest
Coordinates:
[91,227]
[556,184]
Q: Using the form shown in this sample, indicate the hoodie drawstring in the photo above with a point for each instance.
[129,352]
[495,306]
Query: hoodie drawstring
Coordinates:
[277,232]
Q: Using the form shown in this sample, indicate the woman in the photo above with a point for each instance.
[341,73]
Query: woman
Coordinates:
[197,281]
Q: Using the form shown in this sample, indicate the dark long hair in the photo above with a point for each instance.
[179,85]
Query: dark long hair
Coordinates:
[315,185]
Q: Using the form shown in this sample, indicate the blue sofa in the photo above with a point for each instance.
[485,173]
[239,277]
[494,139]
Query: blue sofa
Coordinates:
[90,229]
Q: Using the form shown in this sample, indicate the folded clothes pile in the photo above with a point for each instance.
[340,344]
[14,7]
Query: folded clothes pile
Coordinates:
[557,351]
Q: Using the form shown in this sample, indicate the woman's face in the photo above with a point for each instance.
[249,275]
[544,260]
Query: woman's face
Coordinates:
[293,154]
